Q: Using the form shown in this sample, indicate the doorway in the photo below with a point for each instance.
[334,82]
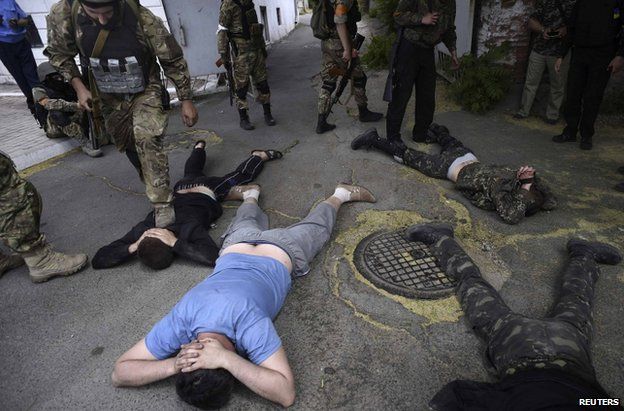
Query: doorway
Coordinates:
[265,22]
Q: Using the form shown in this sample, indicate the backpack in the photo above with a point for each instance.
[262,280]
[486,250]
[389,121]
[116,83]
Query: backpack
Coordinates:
[322,21]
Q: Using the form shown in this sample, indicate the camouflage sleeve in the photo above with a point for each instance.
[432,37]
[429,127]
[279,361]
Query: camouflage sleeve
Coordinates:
[225,22]
[341,11]
[39,93]
[449,38]
[511,205]
[58,104]
[538,12]
[62,48]
[169,53]
[404,15]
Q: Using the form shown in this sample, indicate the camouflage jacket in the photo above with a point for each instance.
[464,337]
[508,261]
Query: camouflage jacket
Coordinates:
[232,26]
[409,14]
[494,188]
[552,14]
[63,39]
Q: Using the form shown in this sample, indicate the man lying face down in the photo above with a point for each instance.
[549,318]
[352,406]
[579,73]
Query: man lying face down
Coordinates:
[512,193]
[197,205]
[222,329]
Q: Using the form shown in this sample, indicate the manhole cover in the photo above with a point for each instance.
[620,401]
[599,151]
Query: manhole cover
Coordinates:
[401,267]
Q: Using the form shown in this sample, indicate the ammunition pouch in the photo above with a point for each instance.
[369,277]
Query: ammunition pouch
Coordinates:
[118,76]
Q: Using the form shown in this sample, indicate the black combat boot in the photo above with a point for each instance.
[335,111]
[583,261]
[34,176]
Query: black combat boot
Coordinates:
[268,117]
[600,252]
[428,233]
[367,116]
[244,120]
[370,138]
[322,125]
[564,137]
[586,143]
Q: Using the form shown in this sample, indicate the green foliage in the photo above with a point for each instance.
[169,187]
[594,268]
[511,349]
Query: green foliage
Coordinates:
[377,54]
[484,81]
[384,11]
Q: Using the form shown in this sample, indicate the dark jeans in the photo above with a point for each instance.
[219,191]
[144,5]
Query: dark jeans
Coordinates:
[19,60]
[587,80]
[515,342]
[194,175]
[415,69]
[433,165]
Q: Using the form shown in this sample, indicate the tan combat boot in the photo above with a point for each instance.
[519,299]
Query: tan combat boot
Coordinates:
[45,263]
[164,215]
[9,262]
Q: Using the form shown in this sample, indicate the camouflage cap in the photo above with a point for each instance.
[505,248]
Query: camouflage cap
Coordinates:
[99,3]
[44,69]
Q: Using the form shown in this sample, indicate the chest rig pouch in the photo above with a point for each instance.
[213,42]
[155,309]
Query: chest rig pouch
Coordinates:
[118,59]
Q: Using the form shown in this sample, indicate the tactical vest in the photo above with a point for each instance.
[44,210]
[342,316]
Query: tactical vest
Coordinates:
[598,23]
[249,18]
[124,64]
[323,25]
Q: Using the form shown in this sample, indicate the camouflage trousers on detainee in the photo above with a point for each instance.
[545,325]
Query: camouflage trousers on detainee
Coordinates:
[515,342]
[433,165]
[138,125]
[20,210]
[332,61]
[250,62]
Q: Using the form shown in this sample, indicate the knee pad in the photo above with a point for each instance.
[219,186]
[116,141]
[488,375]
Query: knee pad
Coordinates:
[263,87]
[329,86]
[360,82]
[241,93]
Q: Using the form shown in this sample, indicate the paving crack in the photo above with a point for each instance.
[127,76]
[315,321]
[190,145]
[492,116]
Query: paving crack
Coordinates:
[106,181]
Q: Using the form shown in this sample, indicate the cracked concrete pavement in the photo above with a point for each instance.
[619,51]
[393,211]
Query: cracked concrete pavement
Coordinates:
[351,345]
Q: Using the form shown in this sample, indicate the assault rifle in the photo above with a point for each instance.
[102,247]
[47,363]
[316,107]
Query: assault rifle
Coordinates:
[230,77]
[358,40]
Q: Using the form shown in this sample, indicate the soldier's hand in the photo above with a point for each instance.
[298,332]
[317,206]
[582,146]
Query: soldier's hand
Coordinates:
[85,99]
[454,61]
[188,113]
[347,55]
[558,64]
[563,31]
[431,19]
[616,65]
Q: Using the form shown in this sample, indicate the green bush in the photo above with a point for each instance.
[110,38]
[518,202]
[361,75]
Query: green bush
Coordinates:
[377,54]
[384,11]
[483,82]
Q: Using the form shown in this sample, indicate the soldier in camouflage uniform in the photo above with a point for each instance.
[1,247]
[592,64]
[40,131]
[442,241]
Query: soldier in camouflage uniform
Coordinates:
[126,79]
[337,55]
[548,21]
[512,193]
[543,362]
[20,213]
[239,27]
[423,24]
[58,110]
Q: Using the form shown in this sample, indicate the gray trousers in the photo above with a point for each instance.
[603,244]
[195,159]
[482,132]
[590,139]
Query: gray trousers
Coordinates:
[301,241]
[538,63]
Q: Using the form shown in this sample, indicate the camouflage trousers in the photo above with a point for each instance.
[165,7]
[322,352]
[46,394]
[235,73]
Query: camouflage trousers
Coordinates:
[137,126]
[436,165]
[331,65]
[250,62]
[515,342]
[20,210]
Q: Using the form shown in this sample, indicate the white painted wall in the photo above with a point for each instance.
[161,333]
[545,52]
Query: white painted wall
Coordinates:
[288,11]
[38,9]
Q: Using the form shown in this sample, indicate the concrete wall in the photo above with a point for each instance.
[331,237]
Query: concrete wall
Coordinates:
[38,9]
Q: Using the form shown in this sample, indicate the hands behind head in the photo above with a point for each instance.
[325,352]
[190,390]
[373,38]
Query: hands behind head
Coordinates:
[162,234]
[525,172]
[207,354]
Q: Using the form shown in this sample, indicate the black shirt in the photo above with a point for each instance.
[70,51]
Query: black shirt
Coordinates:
[525,391]
[195,213]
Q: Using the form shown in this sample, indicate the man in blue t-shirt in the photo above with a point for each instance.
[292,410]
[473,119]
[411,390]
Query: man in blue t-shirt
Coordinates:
[223,328]
[15,51]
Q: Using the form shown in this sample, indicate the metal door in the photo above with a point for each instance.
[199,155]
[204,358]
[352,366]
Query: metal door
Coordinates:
[194,24]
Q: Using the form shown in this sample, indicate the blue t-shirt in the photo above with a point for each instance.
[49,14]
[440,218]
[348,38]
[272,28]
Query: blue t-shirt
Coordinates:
[239,300]
[10,10]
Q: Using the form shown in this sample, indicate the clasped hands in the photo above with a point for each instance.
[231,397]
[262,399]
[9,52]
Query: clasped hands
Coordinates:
[207,354]
[162,234]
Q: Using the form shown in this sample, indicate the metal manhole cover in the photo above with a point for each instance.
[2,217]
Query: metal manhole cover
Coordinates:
[401,267]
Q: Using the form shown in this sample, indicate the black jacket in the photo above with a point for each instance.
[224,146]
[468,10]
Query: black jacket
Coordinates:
[194,215]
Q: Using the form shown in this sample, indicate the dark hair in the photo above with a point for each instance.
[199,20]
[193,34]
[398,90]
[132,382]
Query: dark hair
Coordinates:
[154,253]
[536,201]
[99,4]
[205,389]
